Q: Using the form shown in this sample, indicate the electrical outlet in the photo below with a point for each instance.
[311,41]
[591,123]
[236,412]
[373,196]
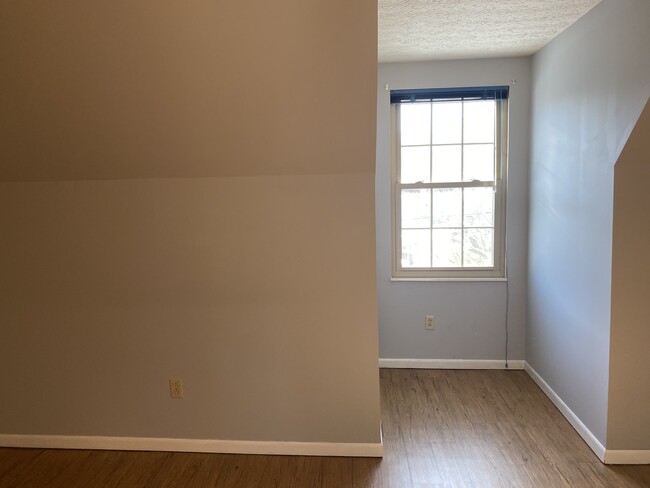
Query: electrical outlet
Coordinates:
[429,322]
[175,388]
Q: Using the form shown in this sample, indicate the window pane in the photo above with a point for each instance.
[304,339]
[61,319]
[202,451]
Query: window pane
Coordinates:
[446,163]
[478,162]
[447,207]
[446,248]
[478,121]
[415,165]
[416,209]
[478,247]
[478,208]
[415,123]
[416,248]
[447,122]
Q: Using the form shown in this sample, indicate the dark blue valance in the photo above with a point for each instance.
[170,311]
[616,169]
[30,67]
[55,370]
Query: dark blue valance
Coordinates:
[429,94]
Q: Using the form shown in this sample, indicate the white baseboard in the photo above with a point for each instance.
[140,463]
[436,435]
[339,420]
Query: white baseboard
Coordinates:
[193,445]
[607,456]
[450,363]
[613,456]
[564,409]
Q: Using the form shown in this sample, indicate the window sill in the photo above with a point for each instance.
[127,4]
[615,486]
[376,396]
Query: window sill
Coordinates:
[450,279]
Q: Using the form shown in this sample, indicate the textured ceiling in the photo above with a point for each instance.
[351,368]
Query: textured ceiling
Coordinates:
[415,30]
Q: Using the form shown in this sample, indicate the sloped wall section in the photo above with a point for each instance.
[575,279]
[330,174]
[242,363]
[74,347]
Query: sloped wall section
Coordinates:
[628,425]
[189,192]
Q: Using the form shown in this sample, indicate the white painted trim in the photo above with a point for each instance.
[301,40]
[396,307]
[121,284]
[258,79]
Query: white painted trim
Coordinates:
[449,363]
[449,279]
[613,456]
[564,409]
[193,445]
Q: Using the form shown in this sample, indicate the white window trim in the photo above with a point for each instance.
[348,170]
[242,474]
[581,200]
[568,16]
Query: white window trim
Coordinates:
[495,273]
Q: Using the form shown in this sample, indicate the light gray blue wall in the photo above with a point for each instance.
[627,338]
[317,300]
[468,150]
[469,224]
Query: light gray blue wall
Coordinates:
[589,86]
[470,316]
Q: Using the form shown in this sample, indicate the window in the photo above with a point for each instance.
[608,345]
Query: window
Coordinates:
[449,176]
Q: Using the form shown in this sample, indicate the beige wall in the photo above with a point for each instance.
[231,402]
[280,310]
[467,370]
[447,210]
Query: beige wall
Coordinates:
[231,243]
[121,89]
[628,425]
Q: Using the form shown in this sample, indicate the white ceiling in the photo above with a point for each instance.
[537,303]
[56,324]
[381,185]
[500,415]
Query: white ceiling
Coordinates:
[417,30]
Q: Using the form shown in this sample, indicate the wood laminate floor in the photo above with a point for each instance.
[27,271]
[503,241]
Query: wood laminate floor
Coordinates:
[442,429]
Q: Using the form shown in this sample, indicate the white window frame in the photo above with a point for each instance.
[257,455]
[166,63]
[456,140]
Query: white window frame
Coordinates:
[498,270]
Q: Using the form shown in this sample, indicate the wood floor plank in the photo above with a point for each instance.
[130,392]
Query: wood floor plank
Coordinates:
[366,473]
[16,459]
[231,472]
[308,473]
[546,476]
[633,476]
[97,470]
[252,472]
[135,469]
[422,465]
[280,471]
[207,470]
[178,470]
[52,468]
[337,472]
[395,471]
